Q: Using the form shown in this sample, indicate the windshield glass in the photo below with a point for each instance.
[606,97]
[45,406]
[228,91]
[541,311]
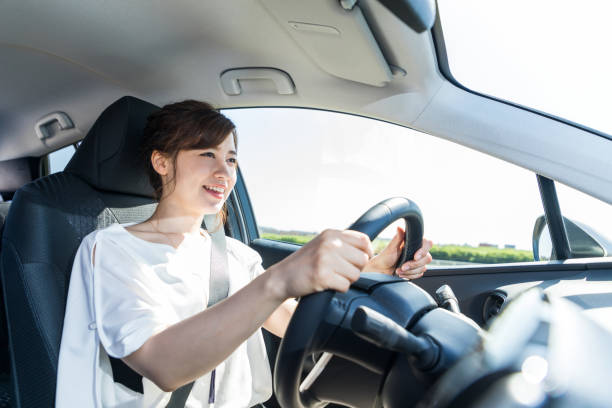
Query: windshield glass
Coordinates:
[548,55]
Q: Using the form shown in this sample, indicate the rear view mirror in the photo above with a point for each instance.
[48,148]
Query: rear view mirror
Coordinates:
[420,15]
[584,242]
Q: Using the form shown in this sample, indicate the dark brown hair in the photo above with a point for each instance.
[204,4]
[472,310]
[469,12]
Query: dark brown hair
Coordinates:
[182,126]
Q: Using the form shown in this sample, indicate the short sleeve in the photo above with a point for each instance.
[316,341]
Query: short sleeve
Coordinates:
[256,268]
[248,257]
[128,300]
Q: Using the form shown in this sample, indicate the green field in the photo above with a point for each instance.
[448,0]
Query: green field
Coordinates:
[459,253]
[486,255]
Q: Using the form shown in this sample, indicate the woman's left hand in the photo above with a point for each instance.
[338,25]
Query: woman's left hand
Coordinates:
[385,261]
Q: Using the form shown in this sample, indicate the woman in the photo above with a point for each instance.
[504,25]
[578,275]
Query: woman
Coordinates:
[149,281]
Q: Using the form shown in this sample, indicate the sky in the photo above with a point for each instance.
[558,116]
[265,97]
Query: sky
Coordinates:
[550,55]
[311,170]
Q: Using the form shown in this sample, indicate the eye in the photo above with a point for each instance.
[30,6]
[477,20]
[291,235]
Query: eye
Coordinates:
[208,154]
[233,160]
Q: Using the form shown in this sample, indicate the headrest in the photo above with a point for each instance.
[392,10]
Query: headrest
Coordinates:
[109,157]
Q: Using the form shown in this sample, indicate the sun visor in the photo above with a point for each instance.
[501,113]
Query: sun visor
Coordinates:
[338,40]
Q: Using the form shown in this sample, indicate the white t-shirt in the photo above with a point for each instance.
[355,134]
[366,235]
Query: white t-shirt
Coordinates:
[137,289]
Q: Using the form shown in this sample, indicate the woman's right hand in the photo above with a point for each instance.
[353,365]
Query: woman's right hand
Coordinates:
[332,260]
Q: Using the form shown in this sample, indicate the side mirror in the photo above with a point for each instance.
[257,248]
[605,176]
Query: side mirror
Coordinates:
[420,15]
[584,241]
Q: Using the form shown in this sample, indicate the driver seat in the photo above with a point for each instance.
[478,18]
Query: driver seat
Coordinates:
[102,184]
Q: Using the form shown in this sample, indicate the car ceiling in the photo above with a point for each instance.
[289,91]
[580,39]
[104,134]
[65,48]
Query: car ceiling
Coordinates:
[77,56]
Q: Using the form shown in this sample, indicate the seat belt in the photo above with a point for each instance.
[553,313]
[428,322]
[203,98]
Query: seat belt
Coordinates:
[218,290]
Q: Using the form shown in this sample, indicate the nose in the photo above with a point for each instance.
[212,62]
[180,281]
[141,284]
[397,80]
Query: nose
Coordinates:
[223,170]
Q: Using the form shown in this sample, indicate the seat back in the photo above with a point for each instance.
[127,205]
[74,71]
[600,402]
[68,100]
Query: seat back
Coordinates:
[102,184]
[6,399]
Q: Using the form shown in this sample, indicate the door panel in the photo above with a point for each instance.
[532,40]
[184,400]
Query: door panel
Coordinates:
[473,285]
[472,288]
[273,251]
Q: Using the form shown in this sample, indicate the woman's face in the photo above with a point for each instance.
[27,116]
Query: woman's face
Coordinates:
[204,178]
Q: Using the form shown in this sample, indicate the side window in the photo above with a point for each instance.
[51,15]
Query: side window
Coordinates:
[588,222]
[60,158]
[309,170]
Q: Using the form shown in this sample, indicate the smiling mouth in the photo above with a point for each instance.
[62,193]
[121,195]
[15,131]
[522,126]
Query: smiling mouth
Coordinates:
[219,190]
[215,191]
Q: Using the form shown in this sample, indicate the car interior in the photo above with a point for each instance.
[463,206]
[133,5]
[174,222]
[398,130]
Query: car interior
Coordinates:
[88,74]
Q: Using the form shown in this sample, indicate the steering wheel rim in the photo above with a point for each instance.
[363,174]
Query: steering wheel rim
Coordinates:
[302,336]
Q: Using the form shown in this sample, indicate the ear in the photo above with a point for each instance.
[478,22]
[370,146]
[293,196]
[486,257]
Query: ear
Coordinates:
[160,163]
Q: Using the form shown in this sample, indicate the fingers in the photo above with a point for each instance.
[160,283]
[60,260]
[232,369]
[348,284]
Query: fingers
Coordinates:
[335,272]
[340,279]
[338,258]
[338,283]
[396,243]
[334,260]
[385,261]
[411,265]
[415,268]
[424,249]
[401,233]
[347,270]
[411,273]
[355,257]
[358,240]
[350,246]
[352,252]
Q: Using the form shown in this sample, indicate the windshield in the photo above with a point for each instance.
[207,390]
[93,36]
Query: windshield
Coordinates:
[548,55]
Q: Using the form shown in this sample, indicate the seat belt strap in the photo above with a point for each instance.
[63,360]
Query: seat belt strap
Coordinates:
[219,271]
[218,290]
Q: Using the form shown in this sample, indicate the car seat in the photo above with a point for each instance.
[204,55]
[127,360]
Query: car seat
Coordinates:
[103,183]
[6,392]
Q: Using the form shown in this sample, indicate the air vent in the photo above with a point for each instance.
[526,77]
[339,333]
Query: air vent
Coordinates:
[493,305]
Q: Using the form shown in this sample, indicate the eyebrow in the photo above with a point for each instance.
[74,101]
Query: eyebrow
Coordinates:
[217,149]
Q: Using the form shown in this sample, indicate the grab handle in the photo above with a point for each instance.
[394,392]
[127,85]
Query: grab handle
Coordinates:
[44,128]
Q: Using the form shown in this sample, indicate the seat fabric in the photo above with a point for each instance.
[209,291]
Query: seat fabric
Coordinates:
[6,392]
[49,217]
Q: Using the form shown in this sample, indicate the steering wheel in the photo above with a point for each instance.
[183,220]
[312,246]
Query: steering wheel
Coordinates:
[306,334]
